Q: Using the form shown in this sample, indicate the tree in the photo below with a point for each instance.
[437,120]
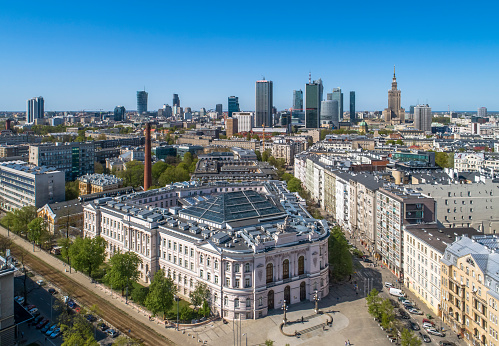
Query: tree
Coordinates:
[444,160]
[5,243]
[98,168]
[78,332]
[200,294]
[205,309]
[72,190]
[139,294]
[258,155]
[18,220]
[248,136]
[294,185]
[124,270]
[409,339]
[161,292]
[266,155]
[387,314]
[374,304]
[269,342]
[157,169]
[65,244]
[340,258]
[37,231]
[87,254]
[185,313]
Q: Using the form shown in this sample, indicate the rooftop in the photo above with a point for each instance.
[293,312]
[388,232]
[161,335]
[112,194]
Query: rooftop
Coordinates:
[27,168]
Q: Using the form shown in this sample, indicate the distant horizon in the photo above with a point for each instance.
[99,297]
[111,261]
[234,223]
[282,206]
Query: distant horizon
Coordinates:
[98,55]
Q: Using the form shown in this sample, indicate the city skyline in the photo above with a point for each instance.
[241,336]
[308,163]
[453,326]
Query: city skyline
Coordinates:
[96,59]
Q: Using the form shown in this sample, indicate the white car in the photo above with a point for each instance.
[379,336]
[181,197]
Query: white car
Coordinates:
[388,284]
[40,282]
[415,311]
[33,311]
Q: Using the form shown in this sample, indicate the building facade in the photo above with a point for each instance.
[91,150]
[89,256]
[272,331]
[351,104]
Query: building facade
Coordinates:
[245,121]
[313,98]
[353,115]
[35,109]
[394,114]
[423,118]
[298,100]
[142,101]
[94,183]
[264,96]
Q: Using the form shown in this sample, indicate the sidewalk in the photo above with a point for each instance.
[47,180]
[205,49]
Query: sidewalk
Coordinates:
[118,302]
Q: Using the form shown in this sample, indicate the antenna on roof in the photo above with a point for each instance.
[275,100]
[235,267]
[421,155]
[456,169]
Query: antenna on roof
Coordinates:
[309,77]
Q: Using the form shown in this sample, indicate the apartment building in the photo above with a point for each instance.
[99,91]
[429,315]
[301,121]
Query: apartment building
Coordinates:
[22,184]
[424,247]
[252,246]
[396,207]
[75,159]
[94,183]
[7,320]
[470,289]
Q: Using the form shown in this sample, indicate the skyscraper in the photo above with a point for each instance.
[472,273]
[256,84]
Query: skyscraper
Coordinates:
[176,100]
[119,113]
[141,101]
[394,114]
[327,112]
[219,108]
[482,112]
[233,105]
[35,109]
[422,118]
[353,116]
[263,103]
[337,96]
[313,98]
[298,100]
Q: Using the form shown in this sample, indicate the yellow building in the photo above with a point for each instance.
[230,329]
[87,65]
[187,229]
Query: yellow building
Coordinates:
[62,216]
[470,289]
[95,183]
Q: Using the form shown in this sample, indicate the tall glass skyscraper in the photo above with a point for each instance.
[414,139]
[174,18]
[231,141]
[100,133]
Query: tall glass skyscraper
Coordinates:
[337,95]
[264,100]
[353,116]
[35,109]
[313,98]
[119,113]
[176,100]
[141,101]
[298,100]
[233,105]
[218,108]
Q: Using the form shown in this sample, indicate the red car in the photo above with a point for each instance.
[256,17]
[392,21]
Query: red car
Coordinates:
[29,307]
[42,324]
[425,320]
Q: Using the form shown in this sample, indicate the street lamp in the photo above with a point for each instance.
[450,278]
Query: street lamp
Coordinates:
[284,308]
[316,298]
[177,299]
[246,338]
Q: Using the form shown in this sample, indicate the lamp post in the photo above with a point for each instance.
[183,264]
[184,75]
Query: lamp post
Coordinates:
[246,338]
[316,298]
[284,309]
[177,299]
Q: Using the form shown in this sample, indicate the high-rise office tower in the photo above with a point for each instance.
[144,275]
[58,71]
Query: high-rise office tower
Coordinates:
[176,100]
[394,114]
[327,112]
[264,100]
[353,116]
[35,109]
[141,101]
[298,100]
[233,105]
[119,113]
[219,108]
[482,112]
[313,98]
[337,96]
[422,118]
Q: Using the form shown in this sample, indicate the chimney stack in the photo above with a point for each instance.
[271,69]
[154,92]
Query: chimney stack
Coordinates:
[147,159]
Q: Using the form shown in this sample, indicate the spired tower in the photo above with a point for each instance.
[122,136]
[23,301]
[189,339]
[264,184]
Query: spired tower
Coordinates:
[394,114]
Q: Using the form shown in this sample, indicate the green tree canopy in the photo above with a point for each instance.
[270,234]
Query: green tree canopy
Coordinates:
[200,294]
[18,219]
[409,339]
[87,254]
[161,293]
[72,190]
[157,169]
[444,160]
[124,270]
[374,304]
[340,257]
[79,332]
[37,231]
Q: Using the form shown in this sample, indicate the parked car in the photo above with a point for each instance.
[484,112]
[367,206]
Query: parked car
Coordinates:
[72,304]
[19,299]
[425,320]
[414,326]
[37,320]
[40,282]
[404,314]
[55,333]
[52,290]
[425,337]
[414,311]
[388,284]
[29,307]
[90,318]
[42,324]
[51,329]
[434,331]
[33,311]
[112,333]
[102,326]
[426,325]
[47,327]
[446,343]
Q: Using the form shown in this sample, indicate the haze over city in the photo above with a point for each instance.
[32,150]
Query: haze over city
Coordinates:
[95,56]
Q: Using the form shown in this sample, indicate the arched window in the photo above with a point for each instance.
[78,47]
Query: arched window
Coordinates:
[201,259]
[285,269]
[226,300]
[301,265]
[270,273]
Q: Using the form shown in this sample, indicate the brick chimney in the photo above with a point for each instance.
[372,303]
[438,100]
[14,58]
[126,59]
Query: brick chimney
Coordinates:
[147,159]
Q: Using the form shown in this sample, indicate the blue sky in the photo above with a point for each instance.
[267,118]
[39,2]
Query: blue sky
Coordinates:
[95,55]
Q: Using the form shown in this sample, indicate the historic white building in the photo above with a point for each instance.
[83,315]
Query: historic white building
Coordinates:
[254,245]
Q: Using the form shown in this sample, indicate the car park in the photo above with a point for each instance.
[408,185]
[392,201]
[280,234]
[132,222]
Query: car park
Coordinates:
[425,337]
[42,324]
